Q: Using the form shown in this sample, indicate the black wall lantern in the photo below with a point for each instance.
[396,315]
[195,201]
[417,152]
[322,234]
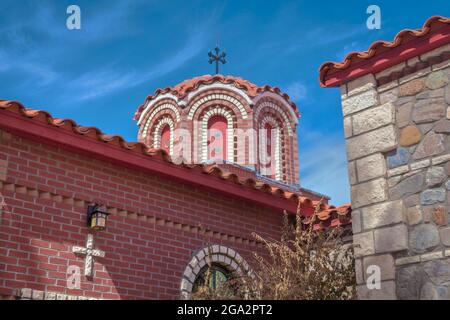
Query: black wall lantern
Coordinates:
[96,219]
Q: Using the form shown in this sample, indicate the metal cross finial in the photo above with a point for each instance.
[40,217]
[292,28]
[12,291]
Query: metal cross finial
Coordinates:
[217,58]
[90,253]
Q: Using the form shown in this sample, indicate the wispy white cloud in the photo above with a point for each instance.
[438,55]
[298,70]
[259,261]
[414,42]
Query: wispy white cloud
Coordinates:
[297,91]
[42,64]
[323,165]
[109,79]
[324,36]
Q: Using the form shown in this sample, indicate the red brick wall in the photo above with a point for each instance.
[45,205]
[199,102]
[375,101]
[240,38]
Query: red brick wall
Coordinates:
[155,228]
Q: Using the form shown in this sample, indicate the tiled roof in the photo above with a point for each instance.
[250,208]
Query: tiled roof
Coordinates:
[357,62]
[331,216]
[328,213]
[182,89]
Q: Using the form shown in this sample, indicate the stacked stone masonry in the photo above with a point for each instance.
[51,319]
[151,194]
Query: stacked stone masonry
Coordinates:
[398,148]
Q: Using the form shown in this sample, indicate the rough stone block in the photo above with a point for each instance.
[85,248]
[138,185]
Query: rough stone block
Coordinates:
[406,187]
[356,221]
[348,127]
[389,96]
[447,94]
[440,159]
[436,80]
[447,185]
[445,236]
[431,145]
[398,171]
[392,182]
[409,136]
[431,256]
[411,88]
[352,173]
[359,102]
[391,239]
[442,126]
[440,216]
[407,260]
[383,214]
[430,94]
[359,271]
[386,264]
[369,192]
[380,140]
[398,158]
[411,200]
[423,237]
[363,244]
[416,75]
[403,116]
[414,215]
[432,196]
[428,110]
[373,118]
[420,164]
[371,167]
[435,176]
[386,292]
[361,84]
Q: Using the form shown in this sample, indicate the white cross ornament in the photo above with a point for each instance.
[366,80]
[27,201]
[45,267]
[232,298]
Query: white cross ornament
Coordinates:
[90,253]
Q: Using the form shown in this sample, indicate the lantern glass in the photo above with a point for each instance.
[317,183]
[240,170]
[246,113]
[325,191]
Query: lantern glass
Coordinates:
[98,221]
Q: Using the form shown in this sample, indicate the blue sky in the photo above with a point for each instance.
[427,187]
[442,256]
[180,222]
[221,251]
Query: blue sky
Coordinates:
[126,49]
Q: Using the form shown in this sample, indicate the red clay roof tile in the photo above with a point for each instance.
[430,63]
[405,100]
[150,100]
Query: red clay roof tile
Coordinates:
[331,73]
[182,89]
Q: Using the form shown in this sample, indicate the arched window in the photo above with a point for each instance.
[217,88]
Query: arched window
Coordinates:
[217,138]
[224,264]
[269,164]
[163,135]
[213,277]
[270,148]
[165,138]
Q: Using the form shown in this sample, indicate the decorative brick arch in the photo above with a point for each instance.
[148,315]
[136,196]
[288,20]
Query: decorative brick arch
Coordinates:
[278,149]
[160,124]
[217,111]
[268,104]
[217,254]
[154,113]
[164,105]
[217,96]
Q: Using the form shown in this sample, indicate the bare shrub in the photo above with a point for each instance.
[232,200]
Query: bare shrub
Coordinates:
[304,264]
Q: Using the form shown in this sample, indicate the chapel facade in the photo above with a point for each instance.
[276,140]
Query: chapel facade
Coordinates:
[191,190]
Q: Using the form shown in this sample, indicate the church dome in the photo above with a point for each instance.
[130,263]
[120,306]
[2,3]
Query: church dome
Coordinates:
[224,120]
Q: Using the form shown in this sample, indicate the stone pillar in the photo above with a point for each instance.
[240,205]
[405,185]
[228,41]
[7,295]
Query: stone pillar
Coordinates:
[398,150]
[378,223]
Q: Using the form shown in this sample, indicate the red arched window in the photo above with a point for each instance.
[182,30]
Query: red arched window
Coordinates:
[165,138]
[217,138]
[269,150]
